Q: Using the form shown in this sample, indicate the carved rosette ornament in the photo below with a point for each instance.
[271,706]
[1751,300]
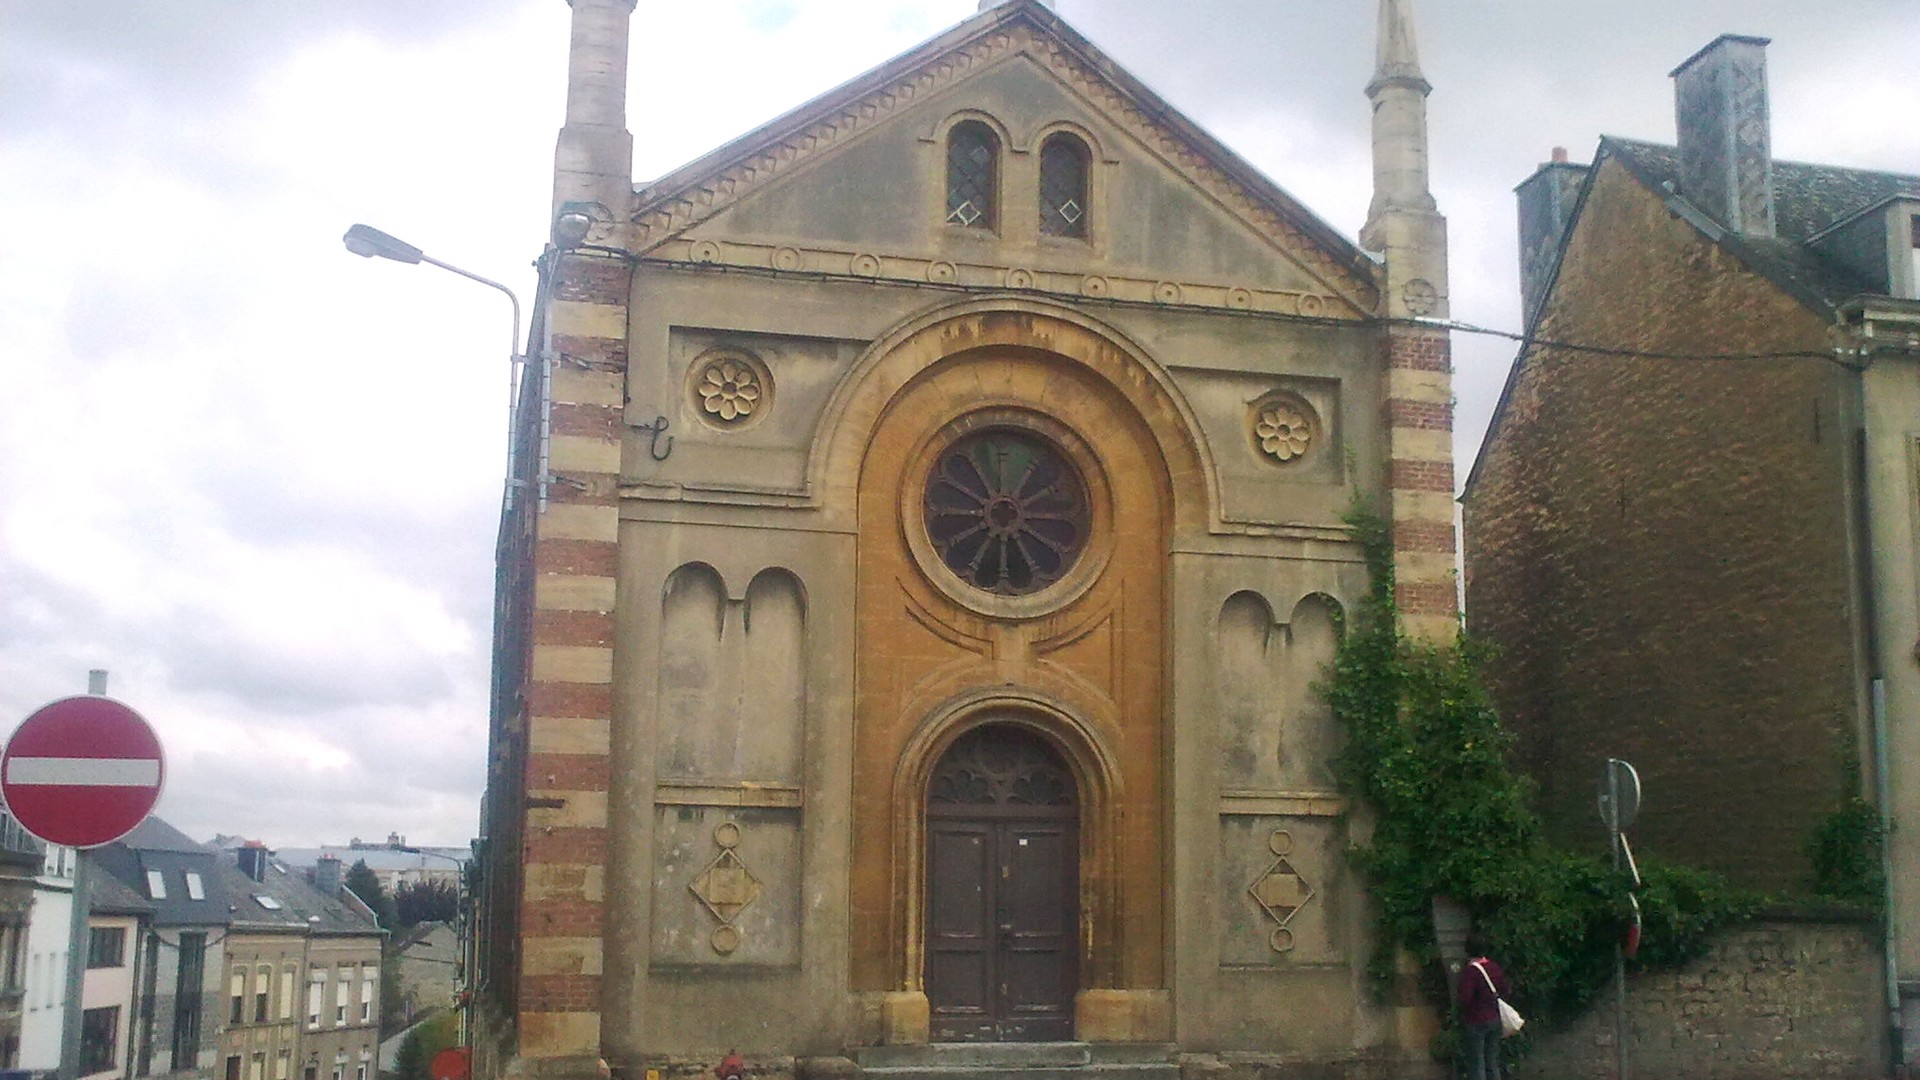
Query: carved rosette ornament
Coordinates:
[1283,428]
[730,390]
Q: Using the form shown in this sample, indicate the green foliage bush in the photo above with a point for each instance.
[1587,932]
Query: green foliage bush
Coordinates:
[1846,852]
[1427,755]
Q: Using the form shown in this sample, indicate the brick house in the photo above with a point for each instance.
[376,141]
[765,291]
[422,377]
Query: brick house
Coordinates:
[1691,529]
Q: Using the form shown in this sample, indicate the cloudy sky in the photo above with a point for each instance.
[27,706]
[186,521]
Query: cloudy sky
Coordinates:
[258,478]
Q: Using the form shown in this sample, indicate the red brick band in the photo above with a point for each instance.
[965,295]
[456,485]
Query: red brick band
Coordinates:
[560,993]
[1426,598]
[570,699]
[593,281]
[594,421]
[572,628]
[1420,352]
[584,558]
[1421,415]
[1422,476]
[568,772]
[1424,536]
[579,844]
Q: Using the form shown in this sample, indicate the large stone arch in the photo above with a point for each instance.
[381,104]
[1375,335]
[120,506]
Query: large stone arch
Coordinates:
[951,331]
[1087,666]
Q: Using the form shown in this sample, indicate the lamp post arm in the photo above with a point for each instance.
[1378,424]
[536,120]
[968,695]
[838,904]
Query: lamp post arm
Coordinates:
[514,349]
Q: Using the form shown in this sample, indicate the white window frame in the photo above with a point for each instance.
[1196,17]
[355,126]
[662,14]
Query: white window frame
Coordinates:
[156,885]
[196,889]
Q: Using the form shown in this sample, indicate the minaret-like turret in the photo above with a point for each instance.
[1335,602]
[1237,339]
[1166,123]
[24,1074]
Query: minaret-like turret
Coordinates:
[594,160]
[1405,228]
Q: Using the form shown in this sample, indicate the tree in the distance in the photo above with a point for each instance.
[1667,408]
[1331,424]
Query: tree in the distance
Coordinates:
[427,900]
[365,884]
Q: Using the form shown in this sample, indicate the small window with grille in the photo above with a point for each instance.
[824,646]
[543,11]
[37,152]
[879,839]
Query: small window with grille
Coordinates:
[973,160]
[1063,186]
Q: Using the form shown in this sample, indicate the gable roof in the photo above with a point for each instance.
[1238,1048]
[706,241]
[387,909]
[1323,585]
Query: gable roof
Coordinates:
[1809,199]
[296,904]
[157,848]
[695,192]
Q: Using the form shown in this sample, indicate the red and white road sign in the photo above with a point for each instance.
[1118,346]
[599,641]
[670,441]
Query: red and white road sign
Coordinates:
[82,771]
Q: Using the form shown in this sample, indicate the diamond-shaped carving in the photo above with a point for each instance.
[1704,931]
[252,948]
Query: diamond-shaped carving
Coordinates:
[726,886]
[1281,892]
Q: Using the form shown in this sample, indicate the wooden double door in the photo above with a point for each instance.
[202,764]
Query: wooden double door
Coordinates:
[1002,890]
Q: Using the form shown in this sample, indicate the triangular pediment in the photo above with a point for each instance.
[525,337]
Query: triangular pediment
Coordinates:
[1227,236]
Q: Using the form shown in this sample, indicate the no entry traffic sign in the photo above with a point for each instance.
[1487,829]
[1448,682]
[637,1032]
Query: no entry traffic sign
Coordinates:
[82,771]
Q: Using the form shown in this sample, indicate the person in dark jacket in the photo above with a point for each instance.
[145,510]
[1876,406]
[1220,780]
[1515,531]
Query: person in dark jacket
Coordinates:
[1482,985]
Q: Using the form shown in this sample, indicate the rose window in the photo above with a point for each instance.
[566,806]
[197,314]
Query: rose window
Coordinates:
[1006,512]
[1283,431]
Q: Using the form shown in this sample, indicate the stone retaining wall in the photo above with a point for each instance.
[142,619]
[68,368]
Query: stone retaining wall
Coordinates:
[1779,999]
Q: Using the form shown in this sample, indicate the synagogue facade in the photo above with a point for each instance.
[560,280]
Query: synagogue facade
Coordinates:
[929,532]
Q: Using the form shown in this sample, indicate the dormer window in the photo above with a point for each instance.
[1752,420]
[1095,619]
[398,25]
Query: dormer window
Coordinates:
[1063,186]
[973,160]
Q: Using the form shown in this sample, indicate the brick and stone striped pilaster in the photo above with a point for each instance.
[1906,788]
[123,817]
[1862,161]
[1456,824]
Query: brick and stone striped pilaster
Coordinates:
[570,691]
[1420,481]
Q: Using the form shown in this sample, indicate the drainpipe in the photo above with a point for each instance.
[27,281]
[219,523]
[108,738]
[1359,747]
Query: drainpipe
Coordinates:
[1877,706]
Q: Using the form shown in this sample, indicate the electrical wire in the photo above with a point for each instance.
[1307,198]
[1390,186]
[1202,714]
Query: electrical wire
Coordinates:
[1529,342]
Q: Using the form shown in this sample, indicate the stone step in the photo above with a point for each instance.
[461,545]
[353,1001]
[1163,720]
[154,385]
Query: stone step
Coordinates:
[1093,1071]
[1018,1061]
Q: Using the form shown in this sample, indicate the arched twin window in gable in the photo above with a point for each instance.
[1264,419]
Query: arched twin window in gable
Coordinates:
[973,180]
[1064,165]
[973,163]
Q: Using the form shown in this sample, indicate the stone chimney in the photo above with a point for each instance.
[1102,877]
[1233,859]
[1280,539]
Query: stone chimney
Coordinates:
[1721,116]
[327,876]
[253,860]
[1546,209]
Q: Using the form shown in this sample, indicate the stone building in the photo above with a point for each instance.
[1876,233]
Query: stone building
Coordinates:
[1691,531]
[927,527]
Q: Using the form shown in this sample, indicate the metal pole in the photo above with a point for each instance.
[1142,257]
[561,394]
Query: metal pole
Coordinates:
[78,939]
[1619,952]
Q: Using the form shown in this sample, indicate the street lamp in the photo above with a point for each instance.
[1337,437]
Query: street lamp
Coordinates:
[368,242]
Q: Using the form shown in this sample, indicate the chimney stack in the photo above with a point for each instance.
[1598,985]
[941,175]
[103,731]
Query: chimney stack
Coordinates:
[253,860]
[1546,208]
[327,876]
[1721,117]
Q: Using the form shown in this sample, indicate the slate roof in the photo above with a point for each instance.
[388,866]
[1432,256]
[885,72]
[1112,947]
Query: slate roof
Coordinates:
[107,895]
[294,904]
[1807,200]
[155,847]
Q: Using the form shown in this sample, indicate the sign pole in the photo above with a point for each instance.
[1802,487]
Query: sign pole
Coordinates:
[1619,952]
[79,937]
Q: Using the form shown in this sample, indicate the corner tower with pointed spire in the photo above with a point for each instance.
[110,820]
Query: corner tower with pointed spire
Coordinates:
[1406,229]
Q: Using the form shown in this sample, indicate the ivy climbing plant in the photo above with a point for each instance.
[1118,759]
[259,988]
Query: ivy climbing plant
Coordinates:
[1447,816]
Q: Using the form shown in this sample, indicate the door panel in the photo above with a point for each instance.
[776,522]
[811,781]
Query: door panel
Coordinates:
[962,865]
[1037,918]
[1000,929]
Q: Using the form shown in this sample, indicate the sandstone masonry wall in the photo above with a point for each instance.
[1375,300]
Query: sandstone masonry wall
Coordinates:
[1658,549]
[1779,1000]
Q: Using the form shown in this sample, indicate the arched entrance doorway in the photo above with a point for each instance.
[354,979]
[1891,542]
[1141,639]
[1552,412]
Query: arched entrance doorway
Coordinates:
[1002,889]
